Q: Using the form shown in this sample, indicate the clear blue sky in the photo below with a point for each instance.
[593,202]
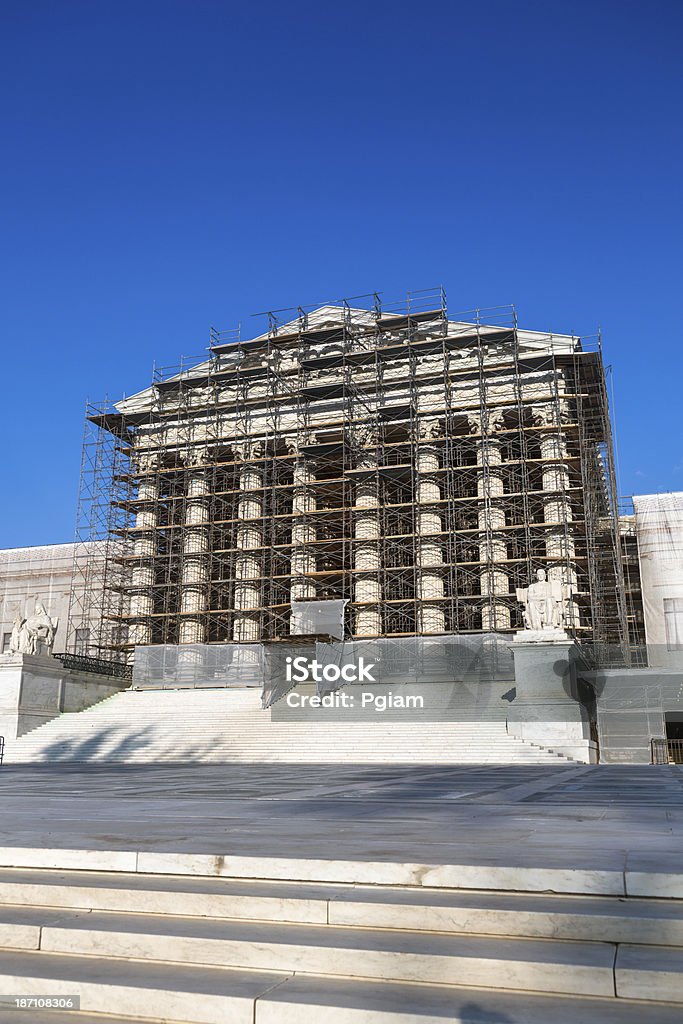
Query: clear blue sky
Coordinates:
[170,165]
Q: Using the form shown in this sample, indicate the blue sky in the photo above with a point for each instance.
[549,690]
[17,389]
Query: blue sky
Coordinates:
[171,165]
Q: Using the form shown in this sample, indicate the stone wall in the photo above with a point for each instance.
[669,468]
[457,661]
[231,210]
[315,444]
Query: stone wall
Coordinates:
[33,690]
[31,574]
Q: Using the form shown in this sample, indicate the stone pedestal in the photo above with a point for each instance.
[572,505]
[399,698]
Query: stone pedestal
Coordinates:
[31,692]
[36,688]
[546,710]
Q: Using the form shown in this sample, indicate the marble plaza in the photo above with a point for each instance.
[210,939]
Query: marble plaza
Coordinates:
[379,894]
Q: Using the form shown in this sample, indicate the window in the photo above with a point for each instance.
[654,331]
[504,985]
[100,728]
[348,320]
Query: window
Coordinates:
[673,623]
[119,635]
[6,640]
[82,640]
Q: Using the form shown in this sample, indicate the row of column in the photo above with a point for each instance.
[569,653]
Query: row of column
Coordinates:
[367,595]
[492,546]
[195,580]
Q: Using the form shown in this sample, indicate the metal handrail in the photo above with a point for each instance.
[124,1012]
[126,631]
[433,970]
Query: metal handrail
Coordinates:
[660,750]
[87,663]
[666,750]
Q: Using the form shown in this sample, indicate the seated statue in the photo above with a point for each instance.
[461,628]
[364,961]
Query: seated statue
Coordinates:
[34,635]
[543,604]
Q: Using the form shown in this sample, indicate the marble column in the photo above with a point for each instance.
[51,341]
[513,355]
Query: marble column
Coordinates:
[429,543]
[366,550]
[557,511]
[144,550]
[491,520]
[249,538]
[303,559]
[194,584]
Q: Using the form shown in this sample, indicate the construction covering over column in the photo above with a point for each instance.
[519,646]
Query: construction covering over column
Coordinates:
[366,550]
[486,427]
[144,541]
[248,540]
[195,569]
[557,509]
[415,466]
[303,560]
[429,548]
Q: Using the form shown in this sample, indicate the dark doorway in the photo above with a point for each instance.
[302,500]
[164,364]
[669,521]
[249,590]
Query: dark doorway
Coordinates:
[674,735]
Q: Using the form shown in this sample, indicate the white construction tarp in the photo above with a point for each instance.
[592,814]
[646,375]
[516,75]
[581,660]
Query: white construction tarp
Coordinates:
[659,530]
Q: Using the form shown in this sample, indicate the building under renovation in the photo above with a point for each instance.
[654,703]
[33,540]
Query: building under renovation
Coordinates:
[414,467]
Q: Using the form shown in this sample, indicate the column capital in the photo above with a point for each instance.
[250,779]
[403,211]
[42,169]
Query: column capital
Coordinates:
[246,451]
[367,434]
[488,422]
[147,462]
[196,457]
[551,414]
[429,429]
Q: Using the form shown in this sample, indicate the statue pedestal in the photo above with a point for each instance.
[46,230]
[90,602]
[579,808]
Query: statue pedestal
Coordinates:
[35,688]
[546,709]
[542,636]
[31,692]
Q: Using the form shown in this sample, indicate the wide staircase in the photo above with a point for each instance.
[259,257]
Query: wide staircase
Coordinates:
[219,725]
[203,940]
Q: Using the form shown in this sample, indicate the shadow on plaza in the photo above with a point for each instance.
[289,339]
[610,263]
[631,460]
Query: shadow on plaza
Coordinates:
[474,1013]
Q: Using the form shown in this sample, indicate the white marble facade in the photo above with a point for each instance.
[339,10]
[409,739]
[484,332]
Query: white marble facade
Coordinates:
[38,576]
[659,532]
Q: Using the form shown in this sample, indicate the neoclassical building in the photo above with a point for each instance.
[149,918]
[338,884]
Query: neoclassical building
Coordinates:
[418,468]
[45,574]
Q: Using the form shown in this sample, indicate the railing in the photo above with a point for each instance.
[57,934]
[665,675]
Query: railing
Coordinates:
[86,663]
[667,751]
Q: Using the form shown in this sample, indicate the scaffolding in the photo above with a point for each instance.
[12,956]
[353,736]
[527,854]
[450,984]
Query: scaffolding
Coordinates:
[635,614]
[417,467]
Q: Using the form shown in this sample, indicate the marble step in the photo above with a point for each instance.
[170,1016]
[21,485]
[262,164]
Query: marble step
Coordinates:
[570,968]
[529,915]
[174,756]
[271,753]
[273,746]
[269,728]
[538,876]
[649,972]
[207,995]
[224,738]
[151,991]
[335,1001]
[136,727]
[34,1016]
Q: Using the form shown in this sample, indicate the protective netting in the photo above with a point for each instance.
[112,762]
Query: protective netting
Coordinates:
[467,659]
[659,530]
[390,662]
[420,659]
[632,705]
[169,666]
[317,617]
